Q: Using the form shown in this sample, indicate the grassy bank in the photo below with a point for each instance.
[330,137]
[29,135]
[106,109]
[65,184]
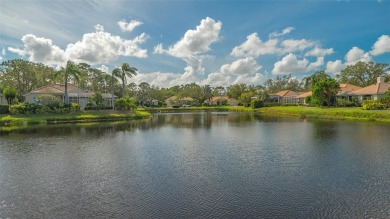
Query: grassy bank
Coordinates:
[338,113]
[200,109]
[16,120]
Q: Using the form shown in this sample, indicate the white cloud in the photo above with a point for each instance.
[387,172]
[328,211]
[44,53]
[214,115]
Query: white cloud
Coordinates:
[217,79]
[315,65]
[40,50]
[241,66]
[249,79]
[319,52]
[290,64]
[129,26]
[99,28]
[3,53]
[104,68]
[158,49]
[162,79]
[296,45]
[254,46]
[285,31]
[355,55]
[334,67]
[382,45]
[194,43]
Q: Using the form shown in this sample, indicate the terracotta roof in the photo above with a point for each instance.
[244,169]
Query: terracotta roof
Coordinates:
[284,93]
[379,88]
[216,99]
[232,99]
[346,88]
[58,89]
[306,94]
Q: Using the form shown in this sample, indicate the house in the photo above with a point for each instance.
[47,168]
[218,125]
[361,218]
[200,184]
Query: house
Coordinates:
[179,101]
[75,94]
[345,90]
[284,97]
[301,99]
[221,100]
[372,92]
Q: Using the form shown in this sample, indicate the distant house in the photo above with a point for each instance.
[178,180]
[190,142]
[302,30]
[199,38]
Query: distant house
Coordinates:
[372,92]
[345,91]
[284,97]
[221,100]
[179,101]
[75,94]
[301,99]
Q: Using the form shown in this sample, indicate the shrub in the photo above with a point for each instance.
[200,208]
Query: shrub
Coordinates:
[27,108]
[344,102]
[47,99]
[373,105]
[125,103]
[4,109]
[257,103]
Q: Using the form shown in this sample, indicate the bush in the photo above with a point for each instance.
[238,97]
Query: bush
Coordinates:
[344,102]
[4,109]
[27,108]
[256,103]
[373,105]
[125,103]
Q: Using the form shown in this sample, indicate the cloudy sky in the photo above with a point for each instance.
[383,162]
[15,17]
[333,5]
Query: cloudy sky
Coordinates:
[216,42]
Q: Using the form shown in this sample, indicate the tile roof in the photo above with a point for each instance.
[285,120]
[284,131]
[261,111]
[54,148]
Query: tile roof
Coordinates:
[58,89]
[285,92]
[306,94]
[346,88]
[378,88]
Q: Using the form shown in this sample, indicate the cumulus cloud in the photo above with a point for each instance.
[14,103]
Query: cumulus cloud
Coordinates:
[254,46]
[296,45]
[319,52]
[104,68]
[193,44]
[158,49]
[290,64]
[3,53]
[241,67]
[334,67]
[355,55]
[255,79]
[315,65]
[165,79]
[382,45]
[129,26]
[40,50]
[285,31]
[99,47]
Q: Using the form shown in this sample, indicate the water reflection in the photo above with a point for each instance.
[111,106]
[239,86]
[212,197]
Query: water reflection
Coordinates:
[197,165]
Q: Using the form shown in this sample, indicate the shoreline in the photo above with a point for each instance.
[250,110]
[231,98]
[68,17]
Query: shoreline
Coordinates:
[77,117]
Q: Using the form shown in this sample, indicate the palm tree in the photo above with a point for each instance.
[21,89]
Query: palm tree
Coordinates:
[71,70]
[123,72]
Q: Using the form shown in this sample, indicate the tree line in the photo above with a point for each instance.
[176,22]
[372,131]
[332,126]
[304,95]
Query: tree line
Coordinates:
[24,76]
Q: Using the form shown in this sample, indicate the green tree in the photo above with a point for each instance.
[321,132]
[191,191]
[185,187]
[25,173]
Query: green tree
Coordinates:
[284,82]
[309,81]
[123,72]
[98,100]
[10,94]
[71,71]
[236,90]
[219,91]
[324,91]
[362,73]
[246,98]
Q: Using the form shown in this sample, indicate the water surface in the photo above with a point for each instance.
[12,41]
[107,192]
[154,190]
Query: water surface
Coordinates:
[197,165]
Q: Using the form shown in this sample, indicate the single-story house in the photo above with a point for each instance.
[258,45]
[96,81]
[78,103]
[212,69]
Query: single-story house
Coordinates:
[221,100]
[179,101]
[75,94]
[284,97]
[345,91]
[301,99]
[372,92]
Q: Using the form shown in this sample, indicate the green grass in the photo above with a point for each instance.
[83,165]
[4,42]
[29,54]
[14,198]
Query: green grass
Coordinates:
[84,116]
[201,109]
[339,113]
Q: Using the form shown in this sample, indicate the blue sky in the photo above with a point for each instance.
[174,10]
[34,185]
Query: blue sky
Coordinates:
[216,42]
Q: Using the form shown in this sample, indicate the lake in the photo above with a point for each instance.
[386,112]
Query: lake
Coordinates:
[197,165]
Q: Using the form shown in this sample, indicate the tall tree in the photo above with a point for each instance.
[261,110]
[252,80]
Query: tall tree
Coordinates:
[363,73]
[325,90]
[309,81]
[123,72]
[236,90]
[71,71]
[10,93]
[284,82]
